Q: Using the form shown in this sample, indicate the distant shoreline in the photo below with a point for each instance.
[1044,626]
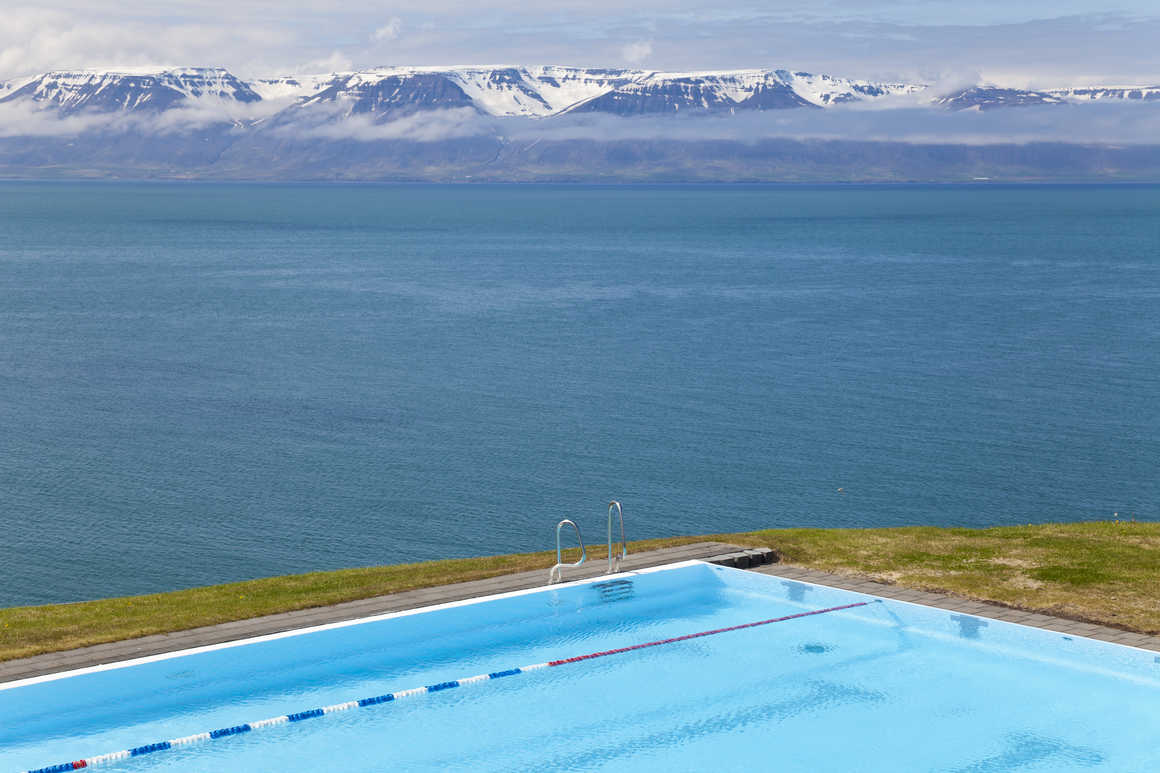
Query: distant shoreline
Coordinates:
[599,161]
[990,183]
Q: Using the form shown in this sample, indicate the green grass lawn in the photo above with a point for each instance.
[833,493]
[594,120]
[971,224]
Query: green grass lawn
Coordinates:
[1103,572]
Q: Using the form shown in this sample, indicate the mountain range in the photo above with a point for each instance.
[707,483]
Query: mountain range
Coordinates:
[457,123]
[537,92]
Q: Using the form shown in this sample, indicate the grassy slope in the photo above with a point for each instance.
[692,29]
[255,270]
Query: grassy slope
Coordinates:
[1103,572]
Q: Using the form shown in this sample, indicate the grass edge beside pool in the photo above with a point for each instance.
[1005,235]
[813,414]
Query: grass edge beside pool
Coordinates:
[1105,572]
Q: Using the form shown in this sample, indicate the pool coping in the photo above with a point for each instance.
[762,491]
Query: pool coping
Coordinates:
[598,580]
[423,598]
[952,603]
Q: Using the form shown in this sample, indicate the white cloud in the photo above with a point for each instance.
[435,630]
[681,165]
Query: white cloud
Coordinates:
[389,31]
[428,126]
[1035,41]
[336,62]
[637,52]
[25,119]
[1112,123]
[34,40]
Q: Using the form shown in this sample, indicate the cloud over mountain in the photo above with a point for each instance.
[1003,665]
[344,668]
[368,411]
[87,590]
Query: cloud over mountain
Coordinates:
[181,119]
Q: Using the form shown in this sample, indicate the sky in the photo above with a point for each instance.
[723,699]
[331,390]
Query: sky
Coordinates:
[1033,43]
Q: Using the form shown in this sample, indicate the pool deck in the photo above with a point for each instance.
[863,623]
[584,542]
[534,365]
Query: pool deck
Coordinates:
[965,606]
[715,552]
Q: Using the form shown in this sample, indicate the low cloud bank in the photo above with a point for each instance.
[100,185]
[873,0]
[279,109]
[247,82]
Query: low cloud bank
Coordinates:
[1096,123]
[329,123]
[1119,124]
[23,119]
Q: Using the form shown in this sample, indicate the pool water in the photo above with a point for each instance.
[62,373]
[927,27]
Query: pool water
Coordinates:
[887,686]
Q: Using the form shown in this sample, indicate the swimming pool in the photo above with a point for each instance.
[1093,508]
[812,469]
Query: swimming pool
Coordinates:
[830,681]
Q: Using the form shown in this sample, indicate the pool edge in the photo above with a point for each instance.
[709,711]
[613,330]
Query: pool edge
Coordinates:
[57,665]
[951,603]
[19,672]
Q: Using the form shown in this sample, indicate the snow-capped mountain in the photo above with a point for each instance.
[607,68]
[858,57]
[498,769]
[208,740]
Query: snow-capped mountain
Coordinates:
[1108,93]
[534,92]
[386,91]
[383,93]
[540,92]
[697,93]
[991,97]
[154,91]
[730,91]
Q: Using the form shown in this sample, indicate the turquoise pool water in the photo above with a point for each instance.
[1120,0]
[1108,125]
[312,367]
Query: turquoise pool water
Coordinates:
[887,686]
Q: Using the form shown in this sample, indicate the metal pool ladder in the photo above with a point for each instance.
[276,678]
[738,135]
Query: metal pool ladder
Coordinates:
[614,560]
[554,575]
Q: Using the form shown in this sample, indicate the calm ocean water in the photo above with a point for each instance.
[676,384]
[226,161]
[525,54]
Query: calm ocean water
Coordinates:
[203,383]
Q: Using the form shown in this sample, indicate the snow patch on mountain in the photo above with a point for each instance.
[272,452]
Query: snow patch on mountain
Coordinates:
[826,90]
[8,86]
[501,91]
[564,87]
[535,92]
[1108,93]
[291,87]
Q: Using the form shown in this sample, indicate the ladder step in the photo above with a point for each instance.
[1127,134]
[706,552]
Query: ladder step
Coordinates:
[614,590]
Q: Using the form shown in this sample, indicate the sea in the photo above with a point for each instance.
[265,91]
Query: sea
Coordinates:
[202,383]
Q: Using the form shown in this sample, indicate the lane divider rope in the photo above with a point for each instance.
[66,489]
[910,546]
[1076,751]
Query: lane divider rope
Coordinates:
[249,727]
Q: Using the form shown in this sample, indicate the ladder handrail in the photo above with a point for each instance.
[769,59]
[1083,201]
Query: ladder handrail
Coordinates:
[555,574]
[614,562]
